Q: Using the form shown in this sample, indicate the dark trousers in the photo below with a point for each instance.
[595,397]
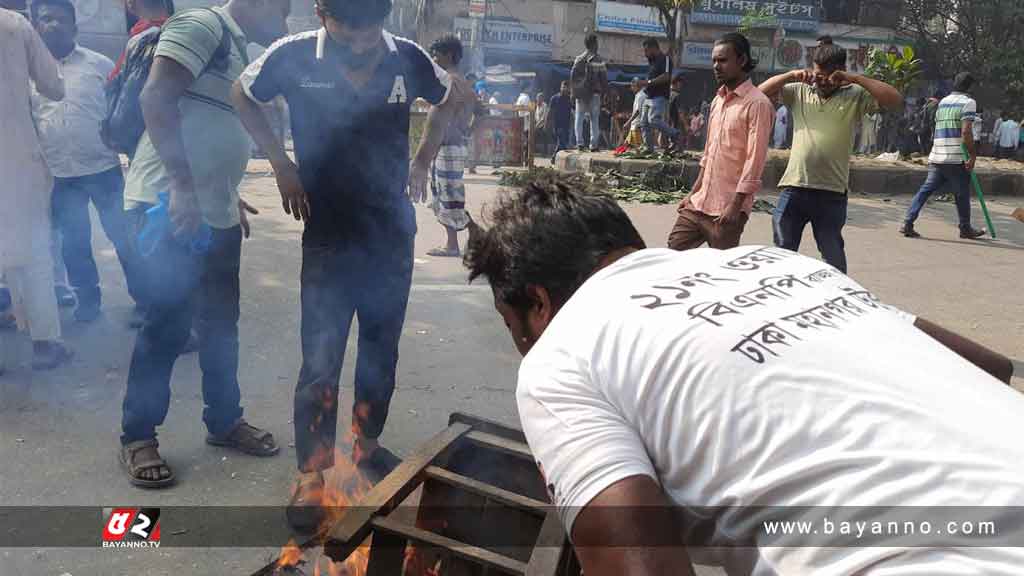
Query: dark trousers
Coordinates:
[368,278]
[824,210]
[563,141]
[71,197]
[938,176]
[183,286]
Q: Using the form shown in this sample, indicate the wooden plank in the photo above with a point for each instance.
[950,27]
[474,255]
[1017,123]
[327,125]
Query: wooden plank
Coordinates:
[510,447]
[387,555]
[460,549]
[551,545]
[490,426]
[494,493]
[354,527]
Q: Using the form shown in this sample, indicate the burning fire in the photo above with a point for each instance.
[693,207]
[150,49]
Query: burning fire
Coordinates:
[344,486]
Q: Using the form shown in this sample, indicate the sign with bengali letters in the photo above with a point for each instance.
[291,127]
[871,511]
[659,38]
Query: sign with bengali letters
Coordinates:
[790,15]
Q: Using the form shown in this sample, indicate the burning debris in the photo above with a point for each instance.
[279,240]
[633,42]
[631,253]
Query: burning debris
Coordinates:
[476,500]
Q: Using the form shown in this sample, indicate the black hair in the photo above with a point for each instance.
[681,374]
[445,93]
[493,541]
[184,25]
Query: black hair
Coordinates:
[591,41]
[552,233]
[825,40]
[357,14]
[830,56]
[167,5]
[448,44]
[963,82]
[65,4]
[741,46]
[651,43]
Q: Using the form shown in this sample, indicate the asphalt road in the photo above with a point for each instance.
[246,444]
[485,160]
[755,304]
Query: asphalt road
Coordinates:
[59,430]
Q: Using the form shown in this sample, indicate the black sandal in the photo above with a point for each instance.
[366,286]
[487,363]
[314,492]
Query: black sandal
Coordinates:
[247,439]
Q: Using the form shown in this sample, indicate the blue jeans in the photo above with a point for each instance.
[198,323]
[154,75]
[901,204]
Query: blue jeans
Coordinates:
[562,136]
[653,117]
[367,277]
[182,283]
[938,176]
[594,111]
[826,212]
[71,197]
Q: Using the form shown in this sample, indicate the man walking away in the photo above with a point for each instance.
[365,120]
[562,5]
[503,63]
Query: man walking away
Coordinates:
[1007,137]
[560,118]
[195,148]
[825,104]
[954,129]
[589,81]
[449,192]
[349,187]
[85,169]
[25,192]
[741,122]
[657,87]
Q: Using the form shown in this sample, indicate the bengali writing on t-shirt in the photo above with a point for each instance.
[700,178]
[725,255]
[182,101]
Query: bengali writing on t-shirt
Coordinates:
[772,338]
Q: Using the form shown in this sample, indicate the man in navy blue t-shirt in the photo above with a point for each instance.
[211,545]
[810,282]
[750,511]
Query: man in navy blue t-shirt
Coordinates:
[349,87]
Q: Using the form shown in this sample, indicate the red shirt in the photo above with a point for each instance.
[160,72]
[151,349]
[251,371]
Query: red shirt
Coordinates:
[139,27]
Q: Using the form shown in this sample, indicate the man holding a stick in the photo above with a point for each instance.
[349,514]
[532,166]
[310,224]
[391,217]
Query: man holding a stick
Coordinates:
[954,129]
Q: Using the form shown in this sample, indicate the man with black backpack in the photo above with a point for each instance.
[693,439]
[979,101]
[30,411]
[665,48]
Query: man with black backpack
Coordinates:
[589,80]
[195,151]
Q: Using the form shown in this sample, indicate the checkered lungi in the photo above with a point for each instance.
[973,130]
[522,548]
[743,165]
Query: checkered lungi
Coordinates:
[449,193]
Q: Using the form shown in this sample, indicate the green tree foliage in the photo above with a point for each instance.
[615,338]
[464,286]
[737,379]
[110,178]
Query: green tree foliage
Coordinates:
[900,70]
[981,36]
[672,12]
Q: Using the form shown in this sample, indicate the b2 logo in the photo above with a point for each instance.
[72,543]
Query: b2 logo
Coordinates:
[131,527]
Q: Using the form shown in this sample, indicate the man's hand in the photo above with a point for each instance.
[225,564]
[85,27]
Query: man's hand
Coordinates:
[803,76]
[971,161]
[243,218]
[732,213]
[293,195]
[842,78]
[418,174]
[184,210]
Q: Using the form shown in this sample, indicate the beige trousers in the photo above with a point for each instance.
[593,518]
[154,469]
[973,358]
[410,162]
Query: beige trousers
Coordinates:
[35,305]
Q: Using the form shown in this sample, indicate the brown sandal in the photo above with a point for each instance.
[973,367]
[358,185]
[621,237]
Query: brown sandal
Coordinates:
[127,457]
[248,439]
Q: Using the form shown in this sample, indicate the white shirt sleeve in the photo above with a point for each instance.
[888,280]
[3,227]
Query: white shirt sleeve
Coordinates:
[581,442]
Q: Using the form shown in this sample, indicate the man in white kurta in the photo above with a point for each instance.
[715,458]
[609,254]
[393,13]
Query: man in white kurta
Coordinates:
[25,187]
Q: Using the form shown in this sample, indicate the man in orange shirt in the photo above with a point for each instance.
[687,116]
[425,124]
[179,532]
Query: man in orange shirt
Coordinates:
[739,128]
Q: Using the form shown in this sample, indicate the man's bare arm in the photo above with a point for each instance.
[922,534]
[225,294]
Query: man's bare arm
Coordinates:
[438,119]
[886,96]
[293,195]
[167,83]
[629,529]
[967,130]
[990,361]
[773,86]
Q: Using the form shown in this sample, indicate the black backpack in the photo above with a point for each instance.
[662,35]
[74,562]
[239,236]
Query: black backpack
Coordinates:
[123,126]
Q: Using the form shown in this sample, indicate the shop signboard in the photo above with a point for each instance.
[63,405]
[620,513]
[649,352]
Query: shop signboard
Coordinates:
[793,15]
[511,36]
[633,19]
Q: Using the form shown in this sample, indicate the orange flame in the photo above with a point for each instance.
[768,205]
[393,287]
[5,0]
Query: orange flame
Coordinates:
[290,555]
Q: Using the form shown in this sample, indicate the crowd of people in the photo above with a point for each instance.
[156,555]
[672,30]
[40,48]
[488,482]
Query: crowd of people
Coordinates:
[176,219]
[759,393]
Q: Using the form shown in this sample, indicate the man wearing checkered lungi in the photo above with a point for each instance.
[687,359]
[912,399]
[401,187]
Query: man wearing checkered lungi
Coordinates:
[449,192]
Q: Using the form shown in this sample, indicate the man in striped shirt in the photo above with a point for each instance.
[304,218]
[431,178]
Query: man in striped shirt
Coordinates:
[954,124]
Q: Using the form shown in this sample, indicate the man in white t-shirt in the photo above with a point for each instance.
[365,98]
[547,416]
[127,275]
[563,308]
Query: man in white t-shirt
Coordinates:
[723,390]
